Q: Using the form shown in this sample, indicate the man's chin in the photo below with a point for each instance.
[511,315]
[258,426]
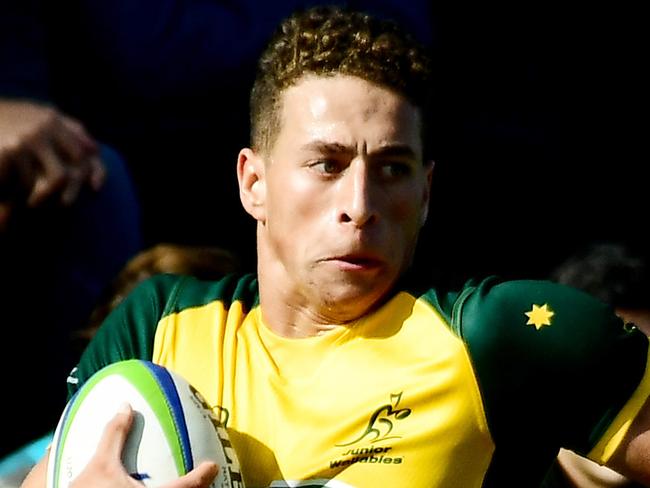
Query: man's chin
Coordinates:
[350,303]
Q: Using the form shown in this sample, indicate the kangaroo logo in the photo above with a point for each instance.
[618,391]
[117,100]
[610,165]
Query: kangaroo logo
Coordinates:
[380,424]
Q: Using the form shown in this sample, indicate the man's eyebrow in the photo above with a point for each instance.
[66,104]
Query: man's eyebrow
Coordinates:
[391,150]
[395,150]
[324,147]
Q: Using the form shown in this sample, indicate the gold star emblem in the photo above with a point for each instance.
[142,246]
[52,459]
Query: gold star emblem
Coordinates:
[539,316]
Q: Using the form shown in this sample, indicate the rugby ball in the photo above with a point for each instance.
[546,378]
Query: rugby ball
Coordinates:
[173,428]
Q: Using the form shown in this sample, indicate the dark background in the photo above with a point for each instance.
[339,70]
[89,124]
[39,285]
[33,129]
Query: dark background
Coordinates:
[538,138]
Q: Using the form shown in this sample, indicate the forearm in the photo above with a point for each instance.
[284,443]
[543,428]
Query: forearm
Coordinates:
[36,477]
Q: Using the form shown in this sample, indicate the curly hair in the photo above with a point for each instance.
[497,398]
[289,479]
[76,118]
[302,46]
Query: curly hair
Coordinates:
[327,41]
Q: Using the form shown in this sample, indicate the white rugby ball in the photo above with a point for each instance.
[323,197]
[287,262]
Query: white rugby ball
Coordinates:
[173,428]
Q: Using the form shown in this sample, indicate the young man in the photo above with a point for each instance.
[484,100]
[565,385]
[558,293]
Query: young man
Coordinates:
[327,368]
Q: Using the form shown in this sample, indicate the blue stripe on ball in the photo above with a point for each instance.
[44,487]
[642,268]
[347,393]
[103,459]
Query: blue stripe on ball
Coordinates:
[168,386]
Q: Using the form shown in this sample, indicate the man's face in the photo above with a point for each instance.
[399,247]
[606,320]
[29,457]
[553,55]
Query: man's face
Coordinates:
[345,195]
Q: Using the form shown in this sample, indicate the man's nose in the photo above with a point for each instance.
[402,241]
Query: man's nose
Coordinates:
[357,195]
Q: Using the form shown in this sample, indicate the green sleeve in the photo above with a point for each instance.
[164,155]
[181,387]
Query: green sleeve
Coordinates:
[128,331]
[554,365]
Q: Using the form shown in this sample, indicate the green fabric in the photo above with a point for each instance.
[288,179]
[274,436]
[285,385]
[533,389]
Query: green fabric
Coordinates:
[128,332]
[559,385]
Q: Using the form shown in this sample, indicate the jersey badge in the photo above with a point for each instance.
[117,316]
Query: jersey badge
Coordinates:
[382,421]
[539,316]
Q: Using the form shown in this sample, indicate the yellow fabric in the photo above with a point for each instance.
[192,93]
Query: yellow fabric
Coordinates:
[611,439]
[408,406]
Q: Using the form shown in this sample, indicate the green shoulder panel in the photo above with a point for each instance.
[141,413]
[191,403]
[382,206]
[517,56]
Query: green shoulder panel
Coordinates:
[128,332]
[195,293]
[554,365]
[444,302]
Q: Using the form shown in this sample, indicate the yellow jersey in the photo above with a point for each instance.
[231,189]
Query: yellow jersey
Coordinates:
[472,388]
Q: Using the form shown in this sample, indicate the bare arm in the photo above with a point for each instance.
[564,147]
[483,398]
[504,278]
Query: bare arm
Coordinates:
[36,477]
[105,469]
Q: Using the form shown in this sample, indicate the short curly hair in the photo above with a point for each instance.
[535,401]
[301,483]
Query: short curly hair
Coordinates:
[327,41]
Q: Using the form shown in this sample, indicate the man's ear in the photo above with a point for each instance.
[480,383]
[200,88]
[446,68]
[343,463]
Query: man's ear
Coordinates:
[428,169]
[252,185]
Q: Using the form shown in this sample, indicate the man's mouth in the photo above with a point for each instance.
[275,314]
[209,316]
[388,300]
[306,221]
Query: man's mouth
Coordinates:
[353,262]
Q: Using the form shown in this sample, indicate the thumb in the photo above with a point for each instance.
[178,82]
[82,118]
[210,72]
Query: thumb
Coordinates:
[199,477]
[116,432]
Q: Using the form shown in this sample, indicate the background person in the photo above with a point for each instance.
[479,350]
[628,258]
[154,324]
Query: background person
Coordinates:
[69,220]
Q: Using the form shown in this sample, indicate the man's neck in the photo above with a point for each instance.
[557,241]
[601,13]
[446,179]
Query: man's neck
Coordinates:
[292,322]
[287,312]
[297,307]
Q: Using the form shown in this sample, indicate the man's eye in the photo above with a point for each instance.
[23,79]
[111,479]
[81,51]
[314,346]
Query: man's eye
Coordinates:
[325,166]
[395,170]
